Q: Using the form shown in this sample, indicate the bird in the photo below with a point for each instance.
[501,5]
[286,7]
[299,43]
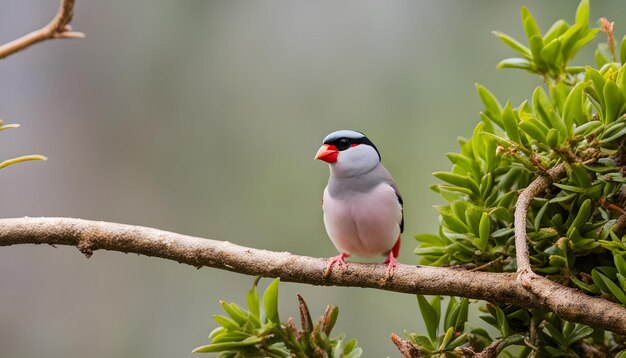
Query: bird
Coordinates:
[363,208]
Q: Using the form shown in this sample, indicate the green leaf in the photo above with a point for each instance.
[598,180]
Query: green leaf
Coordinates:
[486,184]
[552,138]
[430,317]
[536,46]
[435,303]
[556,30]
[514,44]
[452,311]
[217,331]
[226,322]
[613,288]
[220,347]
[332,319]
[423,342]
[552,55]
[431,239]
[620,264]
[574,111]
[235,312]
[493,109]
[515,62]
[580,176]
[613,99]
[587,288]
[588,128]
[530,25]
[555,333]
[462,316]
[613,137]
[533,131]
[569,39]
[446,339]
[503,324]
[252,298]
[350,345]
[230,336]
[270,302]
[582,14]
[598,83]
[457,342]
[458,180]
[484,230]
[622,281]
[510,123]
[545,111]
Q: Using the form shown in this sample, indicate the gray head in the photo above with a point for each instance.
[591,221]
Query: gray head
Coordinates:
[348,153]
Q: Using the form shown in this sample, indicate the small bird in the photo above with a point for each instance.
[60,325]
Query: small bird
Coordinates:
[362,205]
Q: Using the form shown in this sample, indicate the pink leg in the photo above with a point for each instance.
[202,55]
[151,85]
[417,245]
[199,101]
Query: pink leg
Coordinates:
[336,259]
[392,263]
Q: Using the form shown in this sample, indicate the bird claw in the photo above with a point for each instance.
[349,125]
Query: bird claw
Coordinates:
[339,259]
[391,264]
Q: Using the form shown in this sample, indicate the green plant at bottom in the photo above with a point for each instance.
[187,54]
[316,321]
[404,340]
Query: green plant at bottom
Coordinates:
[259,333]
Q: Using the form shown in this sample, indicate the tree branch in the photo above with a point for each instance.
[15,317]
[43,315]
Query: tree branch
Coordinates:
[88,236]
[57,28]
[538,186]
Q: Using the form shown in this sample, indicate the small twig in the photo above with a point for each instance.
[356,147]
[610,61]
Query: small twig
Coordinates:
[406,348]
[539,185]
[568,303]
[58,28]
[489,264]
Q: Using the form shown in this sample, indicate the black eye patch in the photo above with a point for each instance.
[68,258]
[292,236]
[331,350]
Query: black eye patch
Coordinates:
[343,144]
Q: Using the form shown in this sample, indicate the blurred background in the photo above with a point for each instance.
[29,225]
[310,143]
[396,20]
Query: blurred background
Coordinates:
[202,117]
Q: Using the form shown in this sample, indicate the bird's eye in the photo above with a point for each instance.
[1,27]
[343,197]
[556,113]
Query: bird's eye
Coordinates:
[343,144]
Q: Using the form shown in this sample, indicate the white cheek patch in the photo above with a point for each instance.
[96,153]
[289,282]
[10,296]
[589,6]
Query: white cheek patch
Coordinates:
[356,160]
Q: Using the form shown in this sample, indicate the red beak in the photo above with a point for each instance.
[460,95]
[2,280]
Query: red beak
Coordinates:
[327,153]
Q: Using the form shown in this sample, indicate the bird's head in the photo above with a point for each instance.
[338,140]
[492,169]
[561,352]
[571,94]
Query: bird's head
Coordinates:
[349,153]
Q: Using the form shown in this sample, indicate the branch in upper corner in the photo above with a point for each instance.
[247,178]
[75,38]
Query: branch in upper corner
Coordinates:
[538,186]
[88,236]
[56,29]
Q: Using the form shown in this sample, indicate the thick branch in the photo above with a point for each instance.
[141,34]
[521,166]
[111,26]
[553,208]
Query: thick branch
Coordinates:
[568,303]
[535,188]
[57,28]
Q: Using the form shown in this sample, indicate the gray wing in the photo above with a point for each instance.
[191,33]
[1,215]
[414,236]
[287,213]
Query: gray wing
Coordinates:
[395,188]
[387,178]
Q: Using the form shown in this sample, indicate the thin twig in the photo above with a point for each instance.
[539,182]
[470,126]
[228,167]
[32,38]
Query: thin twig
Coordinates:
[568,303]
[406,348]
[488,265]
[57,28]
[538,186]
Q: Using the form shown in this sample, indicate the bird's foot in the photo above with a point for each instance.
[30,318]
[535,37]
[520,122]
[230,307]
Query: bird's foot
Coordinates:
[391,264]
[525,277]
[339,259]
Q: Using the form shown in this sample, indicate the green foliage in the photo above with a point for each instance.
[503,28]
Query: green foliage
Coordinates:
[577,228]
[452,336]
[256,333]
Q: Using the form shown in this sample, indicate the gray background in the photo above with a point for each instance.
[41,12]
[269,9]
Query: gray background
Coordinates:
[202,117]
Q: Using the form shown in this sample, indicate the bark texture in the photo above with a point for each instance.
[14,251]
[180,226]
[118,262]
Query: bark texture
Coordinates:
[89,236]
